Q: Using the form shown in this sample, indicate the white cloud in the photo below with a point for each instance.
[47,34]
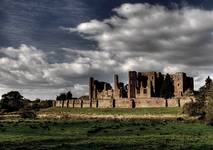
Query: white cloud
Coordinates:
[27,67]
[146,37]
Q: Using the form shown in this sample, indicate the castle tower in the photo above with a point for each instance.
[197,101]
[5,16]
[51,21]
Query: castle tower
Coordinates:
[91,88]
[116,87]
[149,89]
[132,84]
[152,78]
[178,81]
[95,92]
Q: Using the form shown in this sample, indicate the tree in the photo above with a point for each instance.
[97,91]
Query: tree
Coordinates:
[84,97]
[64,96]
[203,106]
[208,83]
[203,92]
[69,95]
[46,104]
[12,101]
[209,108]
[208,95]
[61,97]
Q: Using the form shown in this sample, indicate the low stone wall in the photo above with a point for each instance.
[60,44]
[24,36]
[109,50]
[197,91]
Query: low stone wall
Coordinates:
[105,103]
[94,104]
[150,102]
[173,102]
[78,103]
[58,103]
[86,104]
[125,103]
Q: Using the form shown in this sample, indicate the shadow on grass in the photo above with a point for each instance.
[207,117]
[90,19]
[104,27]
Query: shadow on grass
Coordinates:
[83,144]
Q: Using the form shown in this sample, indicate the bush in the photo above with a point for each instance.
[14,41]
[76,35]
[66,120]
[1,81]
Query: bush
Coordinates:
[194,109]
[46,104]
[28,114]
[209,111]
[12,101]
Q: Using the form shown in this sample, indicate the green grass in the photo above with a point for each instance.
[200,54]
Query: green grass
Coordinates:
[104,134]
[117,111]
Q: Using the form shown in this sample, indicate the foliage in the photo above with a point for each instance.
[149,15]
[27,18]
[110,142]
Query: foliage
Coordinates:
[28,114]
[204,91]
[189,92]
[12,101]
[46,104]
[64,96]
[204,102]
[209,105]
[69,95]
[194,109]
[85,97]
[40,104]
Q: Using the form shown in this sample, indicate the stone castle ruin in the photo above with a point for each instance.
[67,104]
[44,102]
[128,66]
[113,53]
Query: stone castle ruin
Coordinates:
[144,89]
[140,85]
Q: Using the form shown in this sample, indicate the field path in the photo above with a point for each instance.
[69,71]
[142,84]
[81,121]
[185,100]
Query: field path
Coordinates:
[109,117]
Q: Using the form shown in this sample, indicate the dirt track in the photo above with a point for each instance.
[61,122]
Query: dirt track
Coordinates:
[111,117]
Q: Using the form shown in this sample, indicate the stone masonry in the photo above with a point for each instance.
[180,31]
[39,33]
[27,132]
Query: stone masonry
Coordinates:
[143,89]
[140,85]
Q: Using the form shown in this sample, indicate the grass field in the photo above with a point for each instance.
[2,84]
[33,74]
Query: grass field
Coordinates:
[106,134]
[102,134]
[117,111]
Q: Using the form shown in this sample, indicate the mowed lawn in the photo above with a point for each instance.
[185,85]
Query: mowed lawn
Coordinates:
[115,111]
[104,134]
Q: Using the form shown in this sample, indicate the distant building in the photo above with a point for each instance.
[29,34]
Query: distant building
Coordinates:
[140,85]
[144,89]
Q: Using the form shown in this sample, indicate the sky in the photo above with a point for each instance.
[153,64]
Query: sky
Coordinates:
[53,46]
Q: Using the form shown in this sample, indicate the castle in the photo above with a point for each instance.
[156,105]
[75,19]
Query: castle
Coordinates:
[140,85]
[144,89]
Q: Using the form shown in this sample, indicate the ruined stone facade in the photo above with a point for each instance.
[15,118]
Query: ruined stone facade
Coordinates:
[141,85]
[143,89]
[99,90]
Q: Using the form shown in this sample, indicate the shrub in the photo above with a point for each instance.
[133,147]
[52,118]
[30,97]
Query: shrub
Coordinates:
[194,109]
[13,101]
[28,114]
[209,111]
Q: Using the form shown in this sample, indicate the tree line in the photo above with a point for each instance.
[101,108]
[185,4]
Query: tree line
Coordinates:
[14,101]
[64,96]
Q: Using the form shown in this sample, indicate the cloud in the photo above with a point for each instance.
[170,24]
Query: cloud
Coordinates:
[148,37]
[27,68]
[139,37]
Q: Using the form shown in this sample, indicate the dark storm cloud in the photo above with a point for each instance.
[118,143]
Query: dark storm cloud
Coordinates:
[36,23]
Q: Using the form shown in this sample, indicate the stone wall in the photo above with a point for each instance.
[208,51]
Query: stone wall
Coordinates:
[125,103]
[150,102]
[86,104]
[173,103]
[122,103]
[78,103]
[105,103]
[58,103]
